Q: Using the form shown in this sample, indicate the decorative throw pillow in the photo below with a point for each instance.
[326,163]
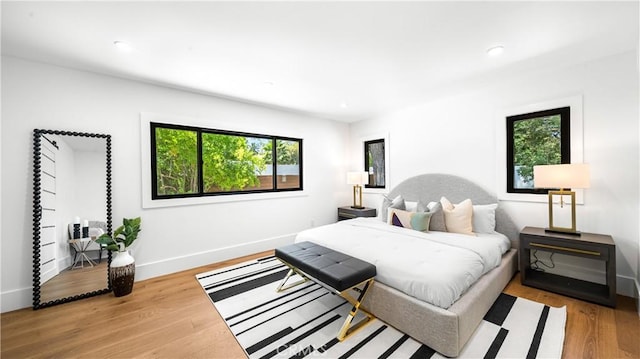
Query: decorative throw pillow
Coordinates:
[458,218]
[413,206]
[418,221]
[484,218]
[437,217]
[422,207]
[387,203]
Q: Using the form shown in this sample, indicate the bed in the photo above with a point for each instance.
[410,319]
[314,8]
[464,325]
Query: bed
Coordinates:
[444,327]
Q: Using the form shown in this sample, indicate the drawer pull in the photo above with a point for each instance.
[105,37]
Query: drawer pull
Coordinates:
[593,253]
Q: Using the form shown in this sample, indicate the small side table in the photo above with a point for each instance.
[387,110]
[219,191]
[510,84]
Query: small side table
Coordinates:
[347,212]
[587,245]
[80,246]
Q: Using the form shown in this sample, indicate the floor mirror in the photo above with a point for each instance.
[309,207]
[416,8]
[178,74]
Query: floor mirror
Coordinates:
[71,208]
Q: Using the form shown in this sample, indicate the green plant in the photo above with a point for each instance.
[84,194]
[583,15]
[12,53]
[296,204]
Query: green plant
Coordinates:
[123,235]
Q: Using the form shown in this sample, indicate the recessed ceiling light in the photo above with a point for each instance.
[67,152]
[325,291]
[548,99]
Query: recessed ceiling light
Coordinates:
[344,105]
[122,46]
[495,51]
[269,83]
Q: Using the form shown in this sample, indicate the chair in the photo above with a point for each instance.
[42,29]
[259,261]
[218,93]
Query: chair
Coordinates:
[96,228]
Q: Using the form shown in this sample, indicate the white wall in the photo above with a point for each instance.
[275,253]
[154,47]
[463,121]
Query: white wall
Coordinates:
[457,134]
[35,95]
[90,190]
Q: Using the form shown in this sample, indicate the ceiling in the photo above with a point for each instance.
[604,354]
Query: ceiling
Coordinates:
[341,60]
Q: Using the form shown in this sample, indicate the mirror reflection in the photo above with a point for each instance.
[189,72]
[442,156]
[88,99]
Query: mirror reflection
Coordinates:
[72,186]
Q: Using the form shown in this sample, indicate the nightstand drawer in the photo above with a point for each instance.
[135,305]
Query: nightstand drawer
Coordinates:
[349,213]
[346,214]
[587,245]
[581,250]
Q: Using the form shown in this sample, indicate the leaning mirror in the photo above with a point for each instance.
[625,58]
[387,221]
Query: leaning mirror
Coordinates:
[71,208]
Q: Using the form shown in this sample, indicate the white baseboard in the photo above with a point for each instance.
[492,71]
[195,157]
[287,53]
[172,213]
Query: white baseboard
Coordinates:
[22,298]
[16,299]
[177,264]
[637,296]
[626,286]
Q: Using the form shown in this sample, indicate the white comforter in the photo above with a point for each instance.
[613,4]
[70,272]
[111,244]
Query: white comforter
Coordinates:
[435,267]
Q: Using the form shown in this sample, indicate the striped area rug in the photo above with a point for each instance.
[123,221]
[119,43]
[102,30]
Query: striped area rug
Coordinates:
[303,321]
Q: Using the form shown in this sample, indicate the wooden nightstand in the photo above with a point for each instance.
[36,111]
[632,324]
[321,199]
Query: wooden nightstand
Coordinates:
[347,212]
[588,245]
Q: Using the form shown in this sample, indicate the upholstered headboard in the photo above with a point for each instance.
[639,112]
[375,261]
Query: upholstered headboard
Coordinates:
[430,187]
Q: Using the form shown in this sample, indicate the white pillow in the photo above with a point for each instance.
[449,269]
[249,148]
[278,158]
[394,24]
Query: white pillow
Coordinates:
[411,206]
[397,203]
[484,218]
[458,218]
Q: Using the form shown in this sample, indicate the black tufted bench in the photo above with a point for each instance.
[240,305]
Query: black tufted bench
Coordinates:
[335,270]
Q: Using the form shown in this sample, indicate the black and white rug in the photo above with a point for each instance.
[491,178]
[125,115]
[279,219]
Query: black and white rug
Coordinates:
[303,321]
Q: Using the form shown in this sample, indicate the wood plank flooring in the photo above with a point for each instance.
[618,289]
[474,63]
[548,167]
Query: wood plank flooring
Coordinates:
[72,281]
[171,317]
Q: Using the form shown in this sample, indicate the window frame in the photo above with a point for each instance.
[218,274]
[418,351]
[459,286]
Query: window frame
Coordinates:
[153,125]
[565,144]
[366,143]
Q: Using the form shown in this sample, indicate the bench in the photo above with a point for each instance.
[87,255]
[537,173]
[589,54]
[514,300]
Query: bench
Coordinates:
[333,270]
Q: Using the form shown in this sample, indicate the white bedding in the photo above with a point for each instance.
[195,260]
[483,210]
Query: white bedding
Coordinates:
[435,267]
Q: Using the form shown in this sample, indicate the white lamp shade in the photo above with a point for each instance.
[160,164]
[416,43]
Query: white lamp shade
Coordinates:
[575,175]
[357,178]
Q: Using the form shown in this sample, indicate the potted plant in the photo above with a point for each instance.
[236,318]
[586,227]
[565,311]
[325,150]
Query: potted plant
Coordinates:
[122,268]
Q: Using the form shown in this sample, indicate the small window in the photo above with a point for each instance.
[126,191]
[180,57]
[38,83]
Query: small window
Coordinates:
[195,162]
[537,138]
[374,163]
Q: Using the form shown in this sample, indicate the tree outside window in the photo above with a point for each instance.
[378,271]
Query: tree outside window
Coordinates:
[176,154]
[232,163]
[190,162]
[374,163]
[538,138]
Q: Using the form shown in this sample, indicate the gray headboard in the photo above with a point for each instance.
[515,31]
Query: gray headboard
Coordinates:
[430,187]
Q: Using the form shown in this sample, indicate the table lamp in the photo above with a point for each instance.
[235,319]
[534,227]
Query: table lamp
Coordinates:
[565,177]
[357,179]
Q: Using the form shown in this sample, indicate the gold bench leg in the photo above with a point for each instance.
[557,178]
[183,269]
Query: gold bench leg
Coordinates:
[347,330]
[292,271]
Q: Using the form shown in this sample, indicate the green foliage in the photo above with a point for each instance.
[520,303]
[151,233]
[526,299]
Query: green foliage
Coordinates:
[176,161]
[536,142]
[231,162]
[123,235]
[287,152]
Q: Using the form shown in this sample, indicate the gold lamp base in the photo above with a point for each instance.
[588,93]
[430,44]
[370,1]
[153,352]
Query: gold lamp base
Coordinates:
[565,230]
[357,189]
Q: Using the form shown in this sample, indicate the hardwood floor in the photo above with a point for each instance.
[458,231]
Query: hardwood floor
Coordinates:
[72,281]
[171,317]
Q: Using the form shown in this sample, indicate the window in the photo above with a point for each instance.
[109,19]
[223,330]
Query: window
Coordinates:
[195,162]
[374,163]
[537,138]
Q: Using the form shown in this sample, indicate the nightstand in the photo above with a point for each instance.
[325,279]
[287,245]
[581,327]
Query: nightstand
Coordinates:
[347,212]
[587,245]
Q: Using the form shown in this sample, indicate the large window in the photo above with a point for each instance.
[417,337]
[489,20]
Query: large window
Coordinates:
[537,138]
[193,162]
[374,163]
